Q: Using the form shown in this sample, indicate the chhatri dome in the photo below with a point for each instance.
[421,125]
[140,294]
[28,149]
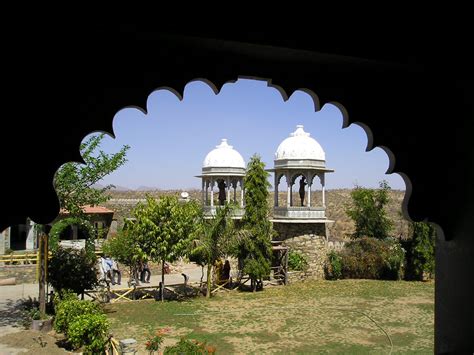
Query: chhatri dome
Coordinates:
[300,157]
[223,169]
[300,146]
[223,156]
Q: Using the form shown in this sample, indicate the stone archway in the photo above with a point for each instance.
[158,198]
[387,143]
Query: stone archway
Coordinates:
[406,107]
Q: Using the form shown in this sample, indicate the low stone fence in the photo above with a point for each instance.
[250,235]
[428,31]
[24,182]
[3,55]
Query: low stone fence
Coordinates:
[22,273]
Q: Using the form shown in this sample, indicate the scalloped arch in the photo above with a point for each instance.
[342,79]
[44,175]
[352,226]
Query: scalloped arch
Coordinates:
[216,88]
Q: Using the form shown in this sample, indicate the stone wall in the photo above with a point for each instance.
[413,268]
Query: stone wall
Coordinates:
[308,239]
[22,273]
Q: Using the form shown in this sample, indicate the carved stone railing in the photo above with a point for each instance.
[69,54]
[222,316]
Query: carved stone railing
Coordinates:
[210,211]
[295,212]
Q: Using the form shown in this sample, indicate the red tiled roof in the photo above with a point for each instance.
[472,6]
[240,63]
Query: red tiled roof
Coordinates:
[90,210]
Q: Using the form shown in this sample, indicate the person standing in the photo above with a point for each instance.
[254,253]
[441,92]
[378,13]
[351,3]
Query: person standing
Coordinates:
[145,273]
[221,185]
[302,185]
[116,272]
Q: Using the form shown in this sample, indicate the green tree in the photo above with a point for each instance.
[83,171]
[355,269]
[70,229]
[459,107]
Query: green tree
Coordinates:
[368,213]
[74,182]
[123,248]
[254,248]
[421,251]
[164,228]
[215,237]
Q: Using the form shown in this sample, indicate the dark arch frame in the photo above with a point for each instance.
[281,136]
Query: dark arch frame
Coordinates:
[422,113]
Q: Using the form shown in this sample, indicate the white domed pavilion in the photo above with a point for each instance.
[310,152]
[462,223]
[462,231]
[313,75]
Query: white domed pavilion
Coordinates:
[224,168]
[300,155]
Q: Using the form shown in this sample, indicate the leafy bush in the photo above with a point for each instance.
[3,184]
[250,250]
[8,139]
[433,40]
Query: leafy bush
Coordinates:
[333,267]
[90,331]
[256,270]
[368,212]
[370,258]
[420,251]
[394,260]
[72,269]
[68,310]
[297,261]
[185,346]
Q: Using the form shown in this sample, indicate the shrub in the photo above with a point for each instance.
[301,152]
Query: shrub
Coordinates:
[68,310]
[420,251]
[370,258]
[297,261]
[333,267]
[90,331]
[72,269]
[185,346]
[394,260]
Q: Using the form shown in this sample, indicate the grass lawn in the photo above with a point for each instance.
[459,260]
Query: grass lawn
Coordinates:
[345,316]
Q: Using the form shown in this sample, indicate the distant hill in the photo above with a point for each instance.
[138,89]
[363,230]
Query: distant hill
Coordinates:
[336,200]
[146,188]
[116,188]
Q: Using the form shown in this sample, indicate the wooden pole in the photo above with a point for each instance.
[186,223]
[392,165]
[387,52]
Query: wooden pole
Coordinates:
[162,280]
[42,274]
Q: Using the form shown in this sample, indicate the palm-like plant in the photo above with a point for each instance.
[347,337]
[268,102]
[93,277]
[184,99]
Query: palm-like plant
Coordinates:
[214,241]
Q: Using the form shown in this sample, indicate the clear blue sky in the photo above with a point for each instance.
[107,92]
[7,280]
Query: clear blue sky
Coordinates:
[170,142]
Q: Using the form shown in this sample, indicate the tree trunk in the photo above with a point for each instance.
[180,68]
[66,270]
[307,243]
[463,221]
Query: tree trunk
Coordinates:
[209,276]
[254,285]
[162,280]
[202,275]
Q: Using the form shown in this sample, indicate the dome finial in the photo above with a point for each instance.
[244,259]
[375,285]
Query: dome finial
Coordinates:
[224,144]
[299,131]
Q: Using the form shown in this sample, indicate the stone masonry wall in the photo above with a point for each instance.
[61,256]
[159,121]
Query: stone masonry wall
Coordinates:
[22,273]
[308,239]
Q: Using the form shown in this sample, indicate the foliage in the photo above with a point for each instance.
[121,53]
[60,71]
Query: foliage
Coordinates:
[164,228]
[58,228]
[186,346]
[394,260]
[74,186]
[215,237]
[254,248]
[368,213]
[68,309]
[63,295]
[421,251]
[297,261]
[154,341]
[333,267]
[72,269]
[73,182]
[370,258]
[123,248]
[91,331]
[29,308]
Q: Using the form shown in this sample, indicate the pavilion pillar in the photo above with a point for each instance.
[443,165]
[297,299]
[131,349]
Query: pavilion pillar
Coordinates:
[309,195]
[212,192]
[203,191]
[323,189]
[241,193]
[234,185]
[275,198]
[228,189]
[289,192]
